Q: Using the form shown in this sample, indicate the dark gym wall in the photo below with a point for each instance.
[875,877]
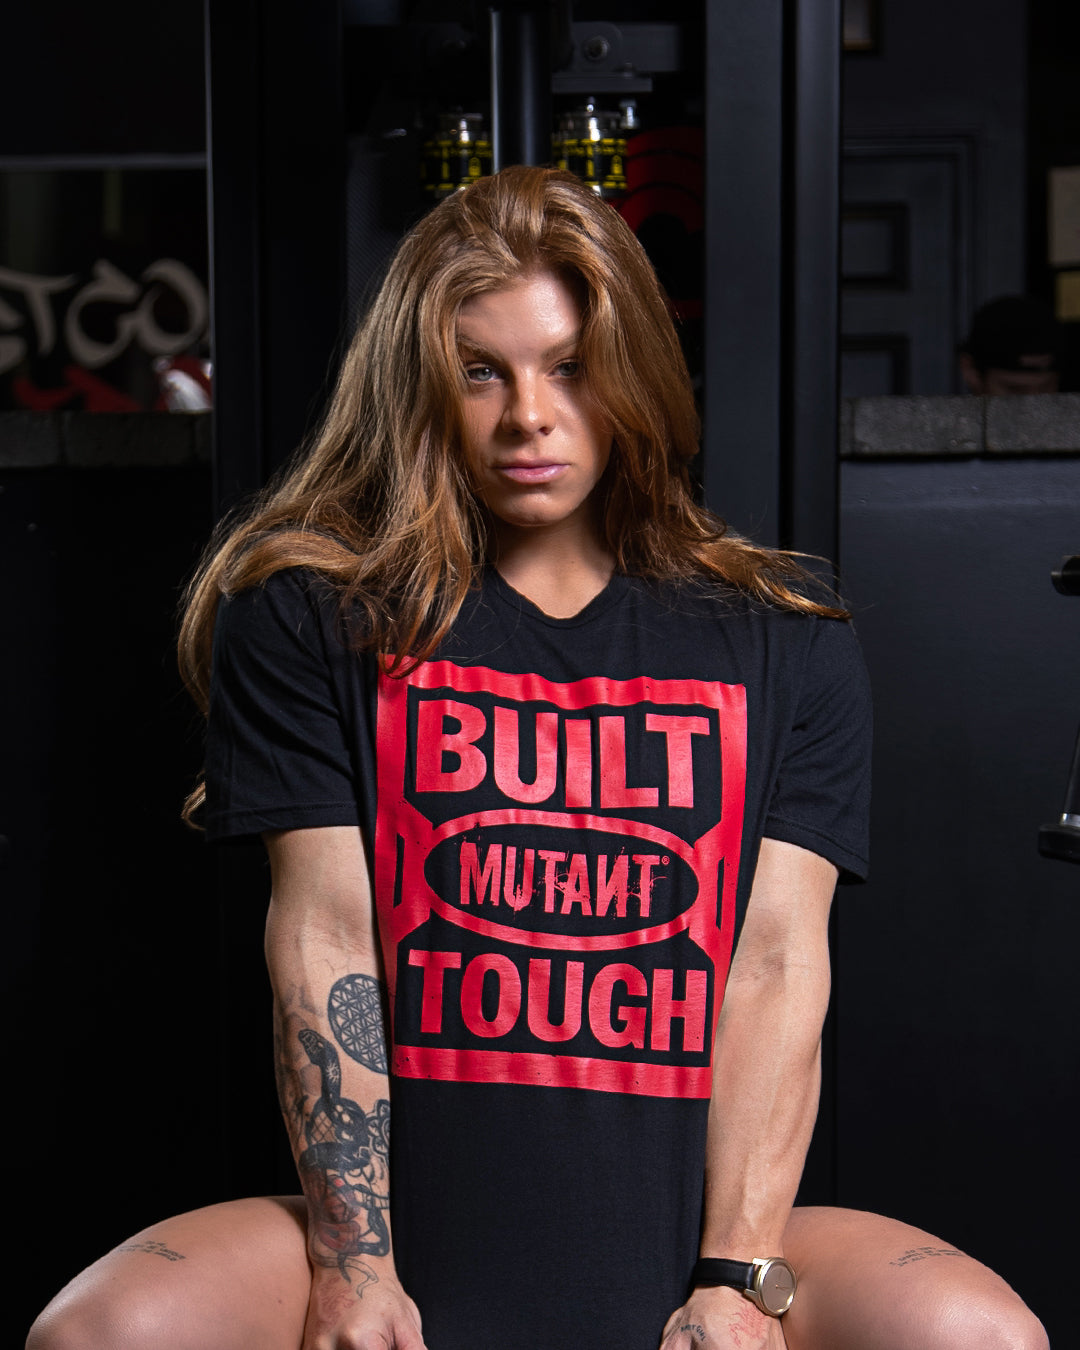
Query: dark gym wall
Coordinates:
[956,69]
[955,994]
[111,78]
[955,1097]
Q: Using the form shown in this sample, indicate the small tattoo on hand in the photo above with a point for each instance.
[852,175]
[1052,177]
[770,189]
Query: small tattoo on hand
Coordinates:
[697,1332]
[152,1249]
[921,1254]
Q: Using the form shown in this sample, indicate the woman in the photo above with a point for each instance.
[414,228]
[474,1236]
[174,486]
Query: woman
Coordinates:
[571,772]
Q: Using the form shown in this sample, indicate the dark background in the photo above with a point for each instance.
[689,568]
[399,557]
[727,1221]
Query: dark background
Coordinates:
[135,1000]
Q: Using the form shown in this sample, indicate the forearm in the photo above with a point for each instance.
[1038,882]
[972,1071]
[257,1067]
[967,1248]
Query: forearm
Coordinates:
[767,1055]
[766,1083]
[331,1058]
[766,1077]
[331,1068]
[765,1088]
[330,1047]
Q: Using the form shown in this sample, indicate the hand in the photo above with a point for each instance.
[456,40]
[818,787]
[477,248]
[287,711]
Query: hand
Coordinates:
[364,1309]
[719,1318]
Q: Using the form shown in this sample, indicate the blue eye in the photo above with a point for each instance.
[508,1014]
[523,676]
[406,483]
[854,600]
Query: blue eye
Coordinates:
[479,374]
[569,370]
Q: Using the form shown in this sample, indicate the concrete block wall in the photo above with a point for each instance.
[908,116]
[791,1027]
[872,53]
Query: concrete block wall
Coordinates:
[959,427]
[79,440]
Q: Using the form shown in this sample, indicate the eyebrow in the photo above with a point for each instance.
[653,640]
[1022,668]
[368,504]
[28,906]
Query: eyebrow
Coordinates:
[476,350]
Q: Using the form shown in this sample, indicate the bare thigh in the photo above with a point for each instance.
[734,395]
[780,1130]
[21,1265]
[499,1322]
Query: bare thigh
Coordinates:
[236,1276]
[228,1277]
[871,1283]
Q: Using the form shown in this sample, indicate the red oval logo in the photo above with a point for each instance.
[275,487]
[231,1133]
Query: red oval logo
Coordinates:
[540,878]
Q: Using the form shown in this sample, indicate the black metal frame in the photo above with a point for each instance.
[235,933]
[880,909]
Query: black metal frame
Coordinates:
[276,157]
[521,103]
[743,279]
[772,276]
[810,492]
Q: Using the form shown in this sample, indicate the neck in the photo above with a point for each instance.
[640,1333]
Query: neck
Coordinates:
[560,573]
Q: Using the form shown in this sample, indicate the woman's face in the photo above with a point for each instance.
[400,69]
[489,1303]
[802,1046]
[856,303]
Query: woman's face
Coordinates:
[536,443]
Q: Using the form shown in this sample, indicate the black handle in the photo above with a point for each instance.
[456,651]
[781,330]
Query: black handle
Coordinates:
[1062,838]
[1067,578]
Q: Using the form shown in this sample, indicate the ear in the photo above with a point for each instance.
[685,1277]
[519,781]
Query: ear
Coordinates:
[971,373]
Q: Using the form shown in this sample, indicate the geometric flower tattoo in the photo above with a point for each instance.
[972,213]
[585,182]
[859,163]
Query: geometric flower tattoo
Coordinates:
[345,1167]
[356,1016]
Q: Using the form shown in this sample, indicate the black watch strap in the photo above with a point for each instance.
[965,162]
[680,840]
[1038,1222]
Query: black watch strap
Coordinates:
[719,1270]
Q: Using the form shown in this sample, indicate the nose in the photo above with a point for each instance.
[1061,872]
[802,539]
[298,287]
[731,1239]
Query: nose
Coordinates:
[530,407]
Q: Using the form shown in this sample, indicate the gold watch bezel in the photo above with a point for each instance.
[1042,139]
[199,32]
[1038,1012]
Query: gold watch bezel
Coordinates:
[762,1268]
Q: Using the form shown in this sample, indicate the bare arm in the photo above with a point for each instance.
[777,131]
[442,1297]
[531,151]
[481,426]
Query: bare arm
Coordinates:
[766,1078]
[330,1048]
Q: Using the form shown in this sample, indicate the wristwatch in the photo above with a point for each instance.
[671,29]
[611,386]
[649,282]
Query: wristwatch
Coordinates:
[767,1281]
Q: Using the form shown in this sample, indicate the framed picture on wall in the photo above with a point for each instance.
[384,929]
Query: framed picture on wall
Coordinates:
[862,25]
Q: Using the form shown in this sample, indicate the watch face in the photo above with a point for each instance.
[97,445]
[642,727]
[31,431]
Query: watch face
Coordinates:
[776,1287]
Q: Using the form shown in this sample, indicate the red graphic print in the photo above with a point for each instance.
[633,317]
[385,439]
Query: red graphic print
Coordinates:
[556,867]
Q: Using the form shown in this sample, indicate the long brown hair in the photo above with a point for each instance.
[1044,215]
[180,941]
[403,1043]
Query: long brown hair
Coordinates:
[380,503]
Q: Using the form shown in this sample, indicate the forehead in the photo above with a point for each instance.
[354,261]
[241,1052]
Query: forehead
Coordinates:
[540,307]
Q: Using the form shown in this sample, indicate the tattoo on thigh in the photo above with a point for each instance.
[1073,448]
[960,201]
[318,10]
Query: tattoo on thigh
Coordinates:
[152,1249]
[922,1253]
[344,1168]
[355,1010]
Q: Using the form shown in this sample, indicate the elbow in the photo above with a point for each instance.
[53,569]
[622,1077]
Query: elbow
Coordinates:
[783,990]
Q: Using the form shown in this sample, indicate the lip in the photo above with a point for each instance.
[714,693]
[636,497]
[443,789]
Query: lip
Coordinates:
[541,471]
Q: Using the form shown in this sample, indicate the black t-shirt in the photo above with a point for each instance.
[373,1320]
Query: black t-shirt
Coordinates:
[562,818]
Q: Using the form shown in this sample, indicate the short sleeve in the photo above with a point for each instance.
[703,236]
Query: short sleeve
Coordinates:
[278,754]
[821,799]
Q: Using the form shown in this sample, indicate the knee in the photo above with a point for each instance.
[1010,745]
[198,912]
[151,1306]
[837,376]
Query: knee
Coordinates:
[1001,1321]
[73,1322]
[1019,1328]
[57,1329]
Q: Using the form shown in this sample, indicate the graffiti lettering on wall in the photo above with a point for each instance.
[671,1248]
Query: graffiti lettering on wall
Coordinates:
[87,327]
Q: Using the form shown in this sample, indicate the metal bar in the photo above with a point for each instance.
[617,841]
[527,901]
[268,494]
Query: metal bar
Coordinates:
[809,519]
[521,84]
[277,216]
[233,205]
[495,31]
[744,156]
[304,171]
[68,163]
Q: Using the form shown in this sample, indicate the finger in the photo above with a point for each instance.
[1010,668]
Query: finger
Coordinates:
[407,1337]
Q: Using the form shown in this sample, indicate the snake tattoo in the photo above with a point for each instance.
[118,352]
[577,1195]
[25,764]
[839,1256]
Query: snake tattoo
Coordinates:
[345,1166]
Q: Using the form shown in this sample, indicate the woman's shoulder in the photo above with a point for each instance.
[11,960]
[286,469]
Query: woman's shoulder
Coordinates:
[292,604]
[296,589]
[717,598]
[702,620]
